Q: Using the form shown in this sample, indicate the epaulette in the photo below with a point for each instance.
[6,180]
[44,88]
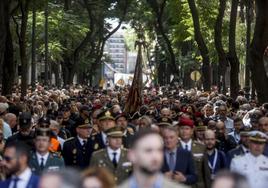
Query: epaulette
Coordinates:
[130,130]
[238,156]
[198,143]
[98,151]
[56,154]
[69,139]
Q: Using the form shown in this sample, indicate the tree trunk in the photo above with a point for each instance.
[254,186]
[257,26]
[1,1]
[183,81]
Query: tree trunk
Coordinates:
[258,45]
[24,5]
[159,13]
[249,16]
[219,47]
[46,45]
[8,64]
[234,62]
[33,72]
[206,69]
[4,17]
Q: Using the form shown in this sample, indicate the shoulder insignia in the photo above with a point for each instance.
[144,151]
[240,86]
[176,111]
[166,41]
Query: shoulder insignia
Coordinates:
[99,151]
[96,146]
[69,139]
[197,143]
[55,154]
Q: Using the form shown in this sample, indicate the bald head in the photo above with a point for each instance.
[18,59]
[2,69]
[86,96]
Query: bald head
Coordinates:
[11,119]
[210,134]
[210,139]
[263,124]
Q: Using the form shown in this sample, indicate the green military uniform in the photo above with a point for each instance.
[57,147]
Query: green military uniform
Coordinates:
[47,162]
[120,168]
[201,165]
[54,162]
[121,172]
[201,161]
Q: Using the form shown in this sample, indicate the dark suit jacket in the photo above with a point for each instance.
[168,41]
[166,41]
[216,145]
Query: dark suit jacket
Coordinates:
[184,164]
[97,142]
[234,152]
[33,183]
[75,155]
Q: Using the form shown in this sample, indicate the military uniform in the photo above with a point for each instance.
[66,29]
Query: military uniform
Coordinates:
[75,154]
[255,168]
[115,160]
[98,140]
[54,162]
[201,165]
[121,171]
[76,151]
[198,151]
[239,150]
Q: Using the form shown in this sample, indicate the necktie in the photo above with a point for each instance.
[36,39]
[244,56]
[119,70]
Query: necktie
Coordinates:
[15,181]
[186,147]
[171,161]
[84,143]
[114,159]
[42,165]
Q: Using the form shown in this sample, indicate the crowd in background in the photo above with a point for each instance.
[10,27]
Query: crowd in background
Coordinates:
[81,137]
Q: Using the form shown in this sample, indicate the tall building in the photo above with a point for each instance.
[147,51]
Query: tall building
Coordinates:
[116,50]
[131,62]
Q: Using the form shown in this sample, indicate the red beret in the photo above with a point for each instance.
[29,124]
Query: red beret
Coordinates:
[96,107]
[186,122]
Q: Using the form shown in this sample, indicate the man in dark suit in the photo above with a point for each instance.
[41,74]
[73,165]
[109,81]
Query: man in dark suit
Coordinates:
[242,148]
[178,163]
[106,121]
[41,158]
[77,150]
[15,161]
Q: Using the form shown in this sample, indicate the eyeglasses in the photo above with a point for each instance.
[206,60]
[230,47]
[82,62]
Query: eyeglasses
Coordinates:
[8,159]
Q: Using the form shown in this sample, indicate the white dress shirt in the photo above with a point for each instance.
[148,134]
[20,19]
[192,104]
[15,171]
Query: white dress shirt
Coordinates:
[24,179]
[189,145]
[39,158]
[111,153]
[254,168]
[81,141]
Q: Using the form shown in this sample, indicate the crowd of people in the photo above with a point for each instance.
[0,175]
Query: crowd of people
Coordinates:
[82,137]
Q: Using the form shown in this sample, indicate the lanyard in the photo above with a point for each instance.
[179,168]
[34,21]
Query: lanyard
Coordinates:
[212,167]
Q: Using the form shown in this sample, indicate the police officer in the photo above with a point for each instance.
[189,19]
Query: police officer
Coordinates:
[254,165]
[106,121]
[41,158]
[25,133]
[113,157]
[77,150]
